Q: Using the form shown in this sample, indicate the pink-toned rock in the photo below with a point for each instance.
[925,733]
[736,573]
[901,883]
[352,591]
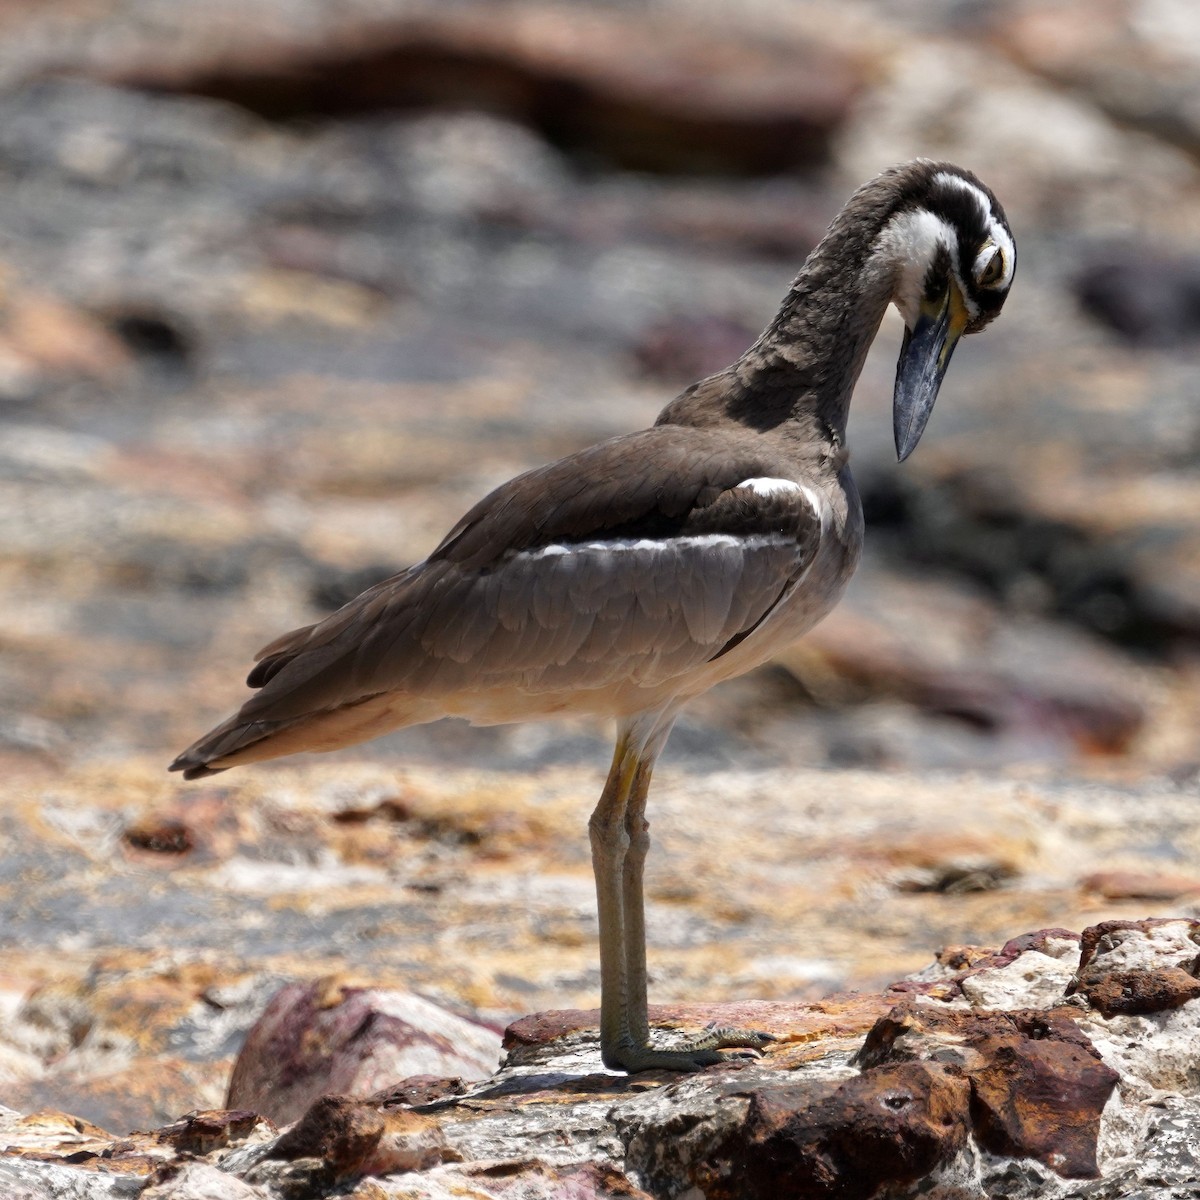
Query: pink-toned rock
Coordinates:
[326,1037]
[1139,885]
[644,89]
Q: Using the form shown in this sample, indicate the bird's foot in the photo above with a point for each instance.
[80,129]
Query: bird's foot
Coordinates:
[691,1054]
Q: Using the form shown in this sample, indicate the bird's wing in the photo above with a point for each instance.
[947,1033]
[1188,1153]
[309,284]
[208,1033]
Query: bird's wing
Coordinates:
[638,559]
[641,557]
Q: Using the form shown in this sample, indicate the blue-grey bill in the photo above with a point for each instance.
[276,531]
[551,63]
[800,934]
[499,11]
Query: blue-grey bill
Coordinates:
[924,358]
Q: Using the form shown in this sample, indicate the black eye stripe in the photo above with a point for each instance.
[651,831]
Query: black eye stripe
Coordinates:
[960,210]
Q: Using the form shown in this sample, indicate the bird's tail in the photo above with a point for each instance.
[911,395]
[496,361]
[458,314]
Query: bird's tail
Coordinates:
[231,743]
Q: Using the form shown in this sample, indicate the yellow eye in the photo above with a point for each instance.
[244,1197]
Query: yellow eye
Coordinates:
[993,271]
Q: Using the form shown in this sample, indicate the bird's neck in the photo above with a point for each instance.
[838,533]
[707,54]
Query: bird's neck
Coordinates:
[797,379]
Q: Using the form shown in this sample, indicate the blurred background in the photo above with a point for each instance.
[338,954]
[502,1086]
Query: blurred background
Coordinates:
[286,284]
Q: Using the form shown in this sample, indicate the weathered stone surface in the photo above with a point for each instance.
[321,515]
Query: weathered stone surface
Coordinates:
[417,1090]
[839,1016]
[1038,1087]
[1138,885]
[1134,967]
[202,1132]
[339,1133]
[200,1181]
[953,1098]
[1042,1099]
[891,1125]
[631,90]
[327,1036]
[477,885]
[1137,67]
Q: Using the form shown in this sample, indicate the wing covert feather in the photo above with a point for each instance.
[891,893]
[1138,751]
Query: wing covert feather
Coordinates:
[563,616]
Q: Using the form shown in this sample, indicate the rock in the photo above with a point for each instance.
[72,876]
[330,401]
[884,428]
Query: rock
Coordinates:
[298,348]
[330,1037]
[1136,66]
[1037,1085]
[476,886]
[952,650]
[1135,967]
[956,1095]
[1138,885]
[658,96]
[682,348]
[891,1125]
[1149,297]
[200,1181]
[204,1131]
[341,1133]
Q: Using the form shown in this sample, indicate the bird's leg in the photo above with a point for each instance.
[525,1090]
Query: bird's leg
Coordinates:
[609,845]
[637,830]
[620,839]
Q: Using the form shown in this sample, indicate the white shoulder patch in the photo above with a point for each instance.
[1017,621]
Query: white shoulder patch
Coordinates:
[766,486]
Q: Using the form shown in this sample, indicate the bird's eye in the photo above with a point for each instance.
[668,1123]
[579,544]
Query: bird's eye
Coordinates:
[992,271]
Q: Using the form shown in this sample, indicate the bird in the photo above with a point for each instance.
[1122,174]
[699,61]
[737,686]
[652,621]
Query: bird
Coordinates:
[629,577]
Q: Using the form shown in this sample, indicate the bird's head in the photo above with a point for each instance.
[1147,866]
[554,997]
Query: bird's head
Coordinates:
[954,259]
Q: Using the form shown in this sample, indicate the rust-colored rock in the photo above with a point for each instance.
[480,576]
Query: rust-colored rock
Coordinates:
[1037,939]
[159,835]
[211,1129]
[1107,936]
[663,95]
[891,1124]
[843,1015]
[1038,1085]
[1134,992]
[410,1142]
[540,1181]
[1133,967]
[339,1131]
[1040,1098]
[417,1090]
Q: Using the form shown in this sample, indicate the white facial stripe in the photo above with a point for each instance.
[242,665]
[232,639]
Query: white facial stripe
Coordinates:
[912,239]
[766,486]
[996,230]
[621,546]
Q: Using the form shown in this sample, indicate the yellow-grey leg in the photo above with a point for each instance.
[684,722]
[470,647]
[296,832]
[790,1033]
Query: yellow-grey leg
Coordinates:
[609,843]
[620,839]
[637,828]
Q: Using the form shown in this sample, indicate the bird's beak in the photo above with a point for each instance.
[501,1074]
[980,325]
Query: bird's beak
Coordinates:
[924,358]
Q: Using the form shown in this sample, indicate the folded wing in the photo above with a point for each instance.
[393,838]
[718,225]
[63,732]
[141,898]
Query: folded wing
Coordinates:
[683,555]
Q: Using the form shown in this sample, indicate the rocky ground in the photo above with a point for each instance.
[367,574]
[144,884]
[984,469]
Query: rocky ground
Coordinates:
[284,286]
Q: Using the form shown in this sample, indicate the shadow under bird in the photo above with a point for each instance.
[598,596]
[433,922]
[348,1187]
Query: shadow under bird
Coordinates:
[631,576]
